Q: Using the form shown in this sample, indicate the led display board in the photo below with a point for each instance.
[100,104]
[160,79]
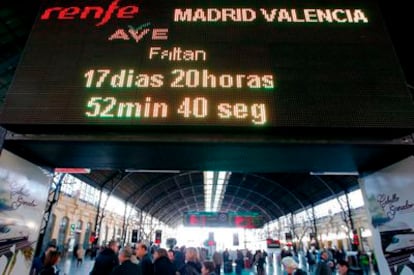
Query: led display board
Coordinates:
[258,64]
[223,219]
[206,219]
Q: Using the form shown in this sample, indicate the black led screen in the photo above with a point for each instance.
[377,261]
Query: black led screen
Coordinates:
[223,219]
[209,63]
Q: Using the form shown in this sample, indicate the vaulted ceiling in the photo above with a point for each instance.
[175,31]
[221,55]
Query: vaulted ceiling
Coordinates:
[167,196]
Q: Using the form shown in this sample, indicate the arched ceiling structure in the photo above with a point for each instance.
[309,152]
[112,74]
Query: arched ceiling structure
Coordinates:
[166,196]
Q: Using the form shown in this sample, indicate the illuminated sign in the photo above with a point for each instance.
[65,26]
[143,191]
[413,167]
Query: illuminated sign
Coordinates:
[271,243]
[158,234]
[223,219]
[209,219]
[247,222]
[123,63]
[246,219]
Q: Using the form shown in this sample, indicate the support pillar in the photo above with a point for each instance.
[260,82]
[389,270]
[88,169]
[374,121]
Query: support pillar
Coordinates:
[98,218]
[124,226]
[53,197]
[315,228]
[355,236]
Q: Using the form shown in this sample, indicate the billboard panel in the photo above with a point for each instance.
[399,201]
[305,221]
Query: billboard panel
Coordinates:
[389,199]
[23,194]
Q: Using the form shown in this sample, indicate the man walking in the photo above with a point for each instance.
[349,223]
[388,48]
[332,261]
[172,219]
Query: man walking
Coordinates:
[107,260]
[145,259]
[127,267]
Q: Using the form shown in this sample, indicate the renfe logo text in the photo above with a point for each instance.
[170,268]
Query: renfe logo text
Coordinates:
[96,12]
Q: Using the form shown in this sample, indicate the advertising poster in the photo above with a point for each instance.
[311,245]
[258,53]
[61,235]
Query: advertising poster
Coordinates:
[23,194]
[389,199]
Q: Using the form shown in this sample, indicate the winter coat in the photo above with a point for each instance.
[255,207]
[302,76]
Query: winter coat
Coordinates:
[191,268]
[106,261]
[127,268]
[163,266]
[147,266]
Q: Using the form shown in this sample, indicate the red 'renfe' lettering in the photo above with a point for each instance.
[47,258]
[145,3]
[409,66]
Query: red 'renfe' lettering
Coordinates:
[69,13]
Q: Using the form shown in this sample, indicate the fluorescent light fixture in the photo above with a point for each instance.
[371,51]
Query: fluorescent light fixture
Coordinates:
[215,184]
[334,173]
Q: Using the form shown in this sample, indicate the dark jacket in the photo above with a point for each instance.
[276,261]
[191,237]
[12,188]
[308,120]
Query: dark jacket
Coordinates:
[163,266]
[179,259]
[38,264]
[49,270]
[191,268]
[322,268]
[106,261]
[146,265]
[299,272]
[127,268]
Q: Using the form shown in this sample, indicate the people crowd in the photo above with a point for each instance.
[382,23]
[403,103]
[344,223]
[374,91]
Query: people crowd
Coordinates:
[153,260]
